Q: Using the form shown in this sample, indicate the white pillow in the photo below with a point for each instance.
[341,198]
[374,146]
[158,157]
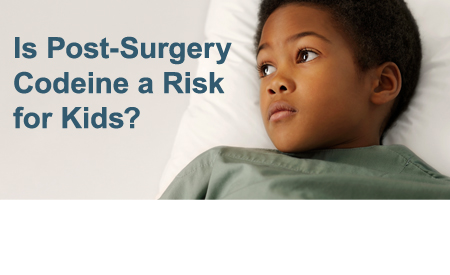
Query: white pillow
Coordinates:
[234,118]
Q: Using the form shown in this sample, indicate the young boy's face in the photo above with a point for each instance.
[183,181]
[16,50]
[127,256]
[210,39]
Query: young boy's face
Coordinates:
[311,96]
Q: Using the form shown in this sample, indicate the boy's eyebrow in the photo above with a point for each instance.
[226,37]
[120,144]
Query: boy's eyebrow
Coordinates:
[295,37]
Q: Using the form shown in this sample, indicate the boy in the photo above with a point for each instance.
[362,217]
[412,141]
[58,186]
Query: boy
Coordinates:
[335,75]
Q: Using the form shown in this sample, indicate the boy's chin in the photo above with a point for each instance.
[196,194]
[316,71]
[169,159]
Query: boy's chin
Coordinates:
[285,149]
[291,147]
[297,144]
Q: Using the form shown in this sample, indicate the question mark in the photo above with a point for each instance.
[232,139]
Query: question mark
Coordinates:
[133,118]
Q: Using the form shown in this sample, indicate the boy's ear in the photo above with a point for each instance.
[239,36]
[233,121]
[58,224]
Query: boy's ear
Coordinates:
[388,83]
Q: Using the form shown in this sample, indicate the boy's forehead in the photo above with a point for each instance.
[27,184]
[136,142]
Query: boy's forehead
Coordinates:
[289,20]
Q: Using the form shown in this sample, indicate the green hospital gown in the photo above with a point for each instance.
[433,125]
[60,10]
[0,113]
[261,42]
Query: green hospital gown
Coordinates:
[374,172]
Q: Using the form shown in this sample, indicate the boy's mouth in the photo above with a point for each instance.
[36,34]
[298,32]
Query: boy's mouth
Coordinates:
[279,110]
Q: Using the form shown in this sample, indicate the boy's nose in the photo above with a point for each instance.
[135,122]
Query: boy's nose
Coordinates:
[281,84]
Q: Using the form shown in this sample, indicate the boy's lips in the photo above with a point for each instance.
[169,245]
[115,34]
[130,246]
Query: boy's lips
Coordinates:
[280,109]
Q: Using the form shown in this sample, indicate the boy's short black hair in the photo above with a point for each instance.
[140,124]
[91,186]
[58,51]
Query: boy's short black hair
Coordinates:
[380,30]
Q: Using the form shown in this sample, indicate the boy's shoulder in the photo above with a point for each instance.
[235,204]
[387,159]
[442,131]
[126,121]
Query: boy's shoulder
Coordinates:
[415,165]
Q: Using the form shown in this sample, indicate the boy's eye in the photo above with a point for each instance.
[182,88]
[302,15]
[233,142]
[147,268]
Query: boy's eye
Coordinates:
[306,55]
[267,69]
